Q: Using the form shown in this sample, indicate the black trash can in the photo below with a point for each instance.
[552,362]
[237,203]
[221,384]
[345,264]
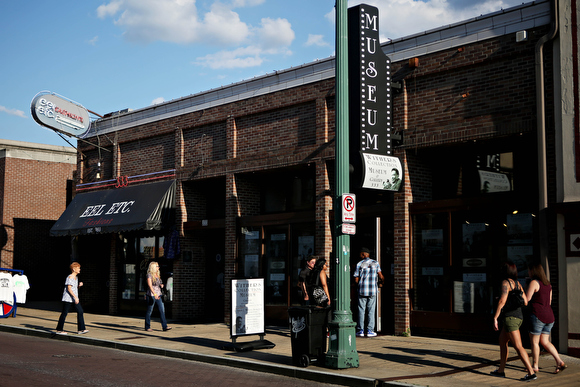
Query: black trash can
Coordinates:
[308,334]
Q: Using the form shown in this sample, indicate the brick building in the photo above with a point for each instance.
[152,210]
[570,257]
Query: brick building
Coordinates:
[36,184]
[253,166]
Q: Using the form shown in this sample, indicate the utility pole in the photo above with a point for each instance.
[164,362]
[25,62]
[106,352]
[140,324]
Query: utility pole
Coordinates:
[342,347]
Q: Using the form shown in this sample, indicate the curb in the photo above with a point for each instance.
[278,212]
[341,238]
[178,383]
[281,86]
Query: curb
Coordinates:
[289,371]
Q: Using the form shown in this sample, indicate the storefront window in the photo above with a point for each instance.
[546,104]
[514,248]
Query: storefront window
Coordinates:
[471,293]
[487,240]
[520,237]
[285,249]
[250,244]
[275,260]
[458,271]
[431,267]
[129,285]
[138,253]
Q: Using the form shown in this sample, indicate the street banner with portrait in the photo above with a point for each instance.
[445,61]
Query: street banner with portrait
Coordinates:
[382,172]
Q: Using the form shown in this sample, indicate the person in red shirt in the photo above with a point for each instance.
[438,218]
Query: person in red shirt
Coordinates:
[542,318]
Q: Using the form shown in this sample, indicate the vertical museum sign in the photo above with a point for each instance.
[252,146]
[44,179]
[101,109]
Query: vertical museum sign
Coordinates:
[370,103]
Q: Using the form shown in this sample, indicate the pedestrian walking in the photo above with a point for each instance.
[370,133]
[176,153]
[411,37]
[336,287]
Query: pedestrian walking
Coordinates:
[542,317]
[367,276]
[70,297]
[153,296]
[509,312]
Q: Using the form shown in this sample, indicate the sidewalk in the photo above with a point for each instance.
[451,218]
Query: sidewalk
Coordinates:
[383,360]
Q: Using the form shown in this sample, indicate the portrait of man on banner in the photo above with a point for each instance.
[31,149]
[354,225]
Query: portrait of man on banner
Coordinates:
[394,183]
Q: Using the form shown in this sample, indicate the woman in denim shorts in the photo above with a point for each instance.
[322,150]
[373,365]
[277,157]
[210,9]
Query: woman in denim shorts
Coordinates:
[542,318]
[512,320]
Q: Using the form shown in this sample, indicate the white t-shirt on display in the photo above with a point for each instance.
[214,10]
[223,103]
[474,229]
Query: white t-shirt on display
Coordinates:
[21,285]
[6,288]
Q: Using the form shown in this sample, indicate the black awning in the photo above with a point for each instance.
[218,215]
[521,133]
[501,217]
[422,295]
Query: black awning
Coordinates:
[141,207]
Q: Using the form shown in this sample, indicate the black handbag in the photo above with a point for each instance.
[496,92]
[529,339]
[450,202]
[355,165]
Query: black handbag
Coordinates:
[319,297]
[164,295]
[514,300]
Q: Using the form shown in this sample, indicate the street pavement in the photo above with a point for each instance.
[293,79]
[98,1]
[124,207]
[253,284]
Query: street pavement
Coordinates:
[383,360]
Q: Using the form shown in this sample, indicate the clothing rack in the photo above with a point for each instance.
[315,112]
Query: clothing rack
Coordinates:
[7,309]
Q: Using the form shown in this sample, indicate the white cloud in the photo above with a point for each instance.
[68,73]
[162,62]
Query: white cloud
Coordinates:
[177,21]
[242,57]
[246,3]
[109,9]
[93,41]
[275,34]
[12,112]
[273,37]
[158,101]
[316,40]
[224,25]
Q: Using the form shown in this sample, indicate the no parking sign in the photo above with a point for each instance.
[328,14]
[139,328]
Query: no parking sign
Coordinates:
[348,208]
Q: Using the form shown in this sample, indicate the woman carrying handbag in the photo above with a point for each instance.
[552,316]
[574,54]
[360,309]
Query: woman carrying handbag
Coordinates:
[509,312]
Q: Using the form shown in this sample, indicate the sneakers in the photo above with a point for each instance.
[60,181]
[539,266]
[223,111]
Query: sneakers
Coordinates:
[361,333]
[528,378]
[62,333]
[167,329]
[83,332]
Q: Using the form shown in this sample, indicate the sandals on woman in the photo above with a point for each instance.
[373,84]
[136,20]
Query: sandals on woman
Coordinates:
[560,368]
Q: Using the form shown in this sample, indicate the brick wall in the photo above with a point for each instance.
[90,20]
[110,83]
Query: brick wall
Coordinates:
[33,197]
[480,90]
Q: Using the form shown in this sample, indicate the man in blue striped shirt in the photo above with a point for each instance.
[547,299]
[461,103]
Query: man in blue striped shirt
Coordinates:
[366,276]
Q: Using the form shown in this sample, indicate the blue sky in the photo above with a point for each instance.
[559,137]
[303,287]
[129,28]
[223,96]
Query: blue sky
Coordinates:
[110,55]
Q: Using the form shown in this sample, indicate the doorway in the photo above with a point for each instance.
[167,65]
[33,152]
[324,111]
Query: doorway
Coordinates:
[376,234]
[214,279]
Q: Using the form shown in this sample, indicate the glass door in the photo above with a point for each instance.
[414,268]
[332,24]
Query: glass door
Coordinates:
[275,265]
[138,252]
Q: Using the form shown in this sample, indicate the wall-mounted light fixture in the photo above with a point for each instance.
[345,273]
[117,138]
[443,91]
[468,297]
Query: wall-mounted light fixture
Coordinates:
[521,36]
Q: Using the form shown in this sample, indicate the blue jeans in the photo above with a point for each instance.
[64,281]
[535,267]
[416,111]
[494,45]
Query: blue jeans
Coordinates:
[538,327]
[151,301]
[366,308]
[80,317]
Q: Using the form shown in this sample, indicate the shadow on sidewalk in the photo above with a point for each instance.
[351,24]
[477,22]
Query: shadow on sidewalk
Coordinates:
[51,306]
[418,353]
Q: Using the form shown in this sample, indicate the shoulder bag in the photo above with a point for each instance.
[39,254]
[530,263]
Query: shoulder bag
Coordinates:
[514,300]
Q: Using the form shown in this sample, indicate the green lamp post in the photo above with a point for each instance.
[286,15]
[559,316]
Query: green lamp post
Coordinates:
[342,345]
